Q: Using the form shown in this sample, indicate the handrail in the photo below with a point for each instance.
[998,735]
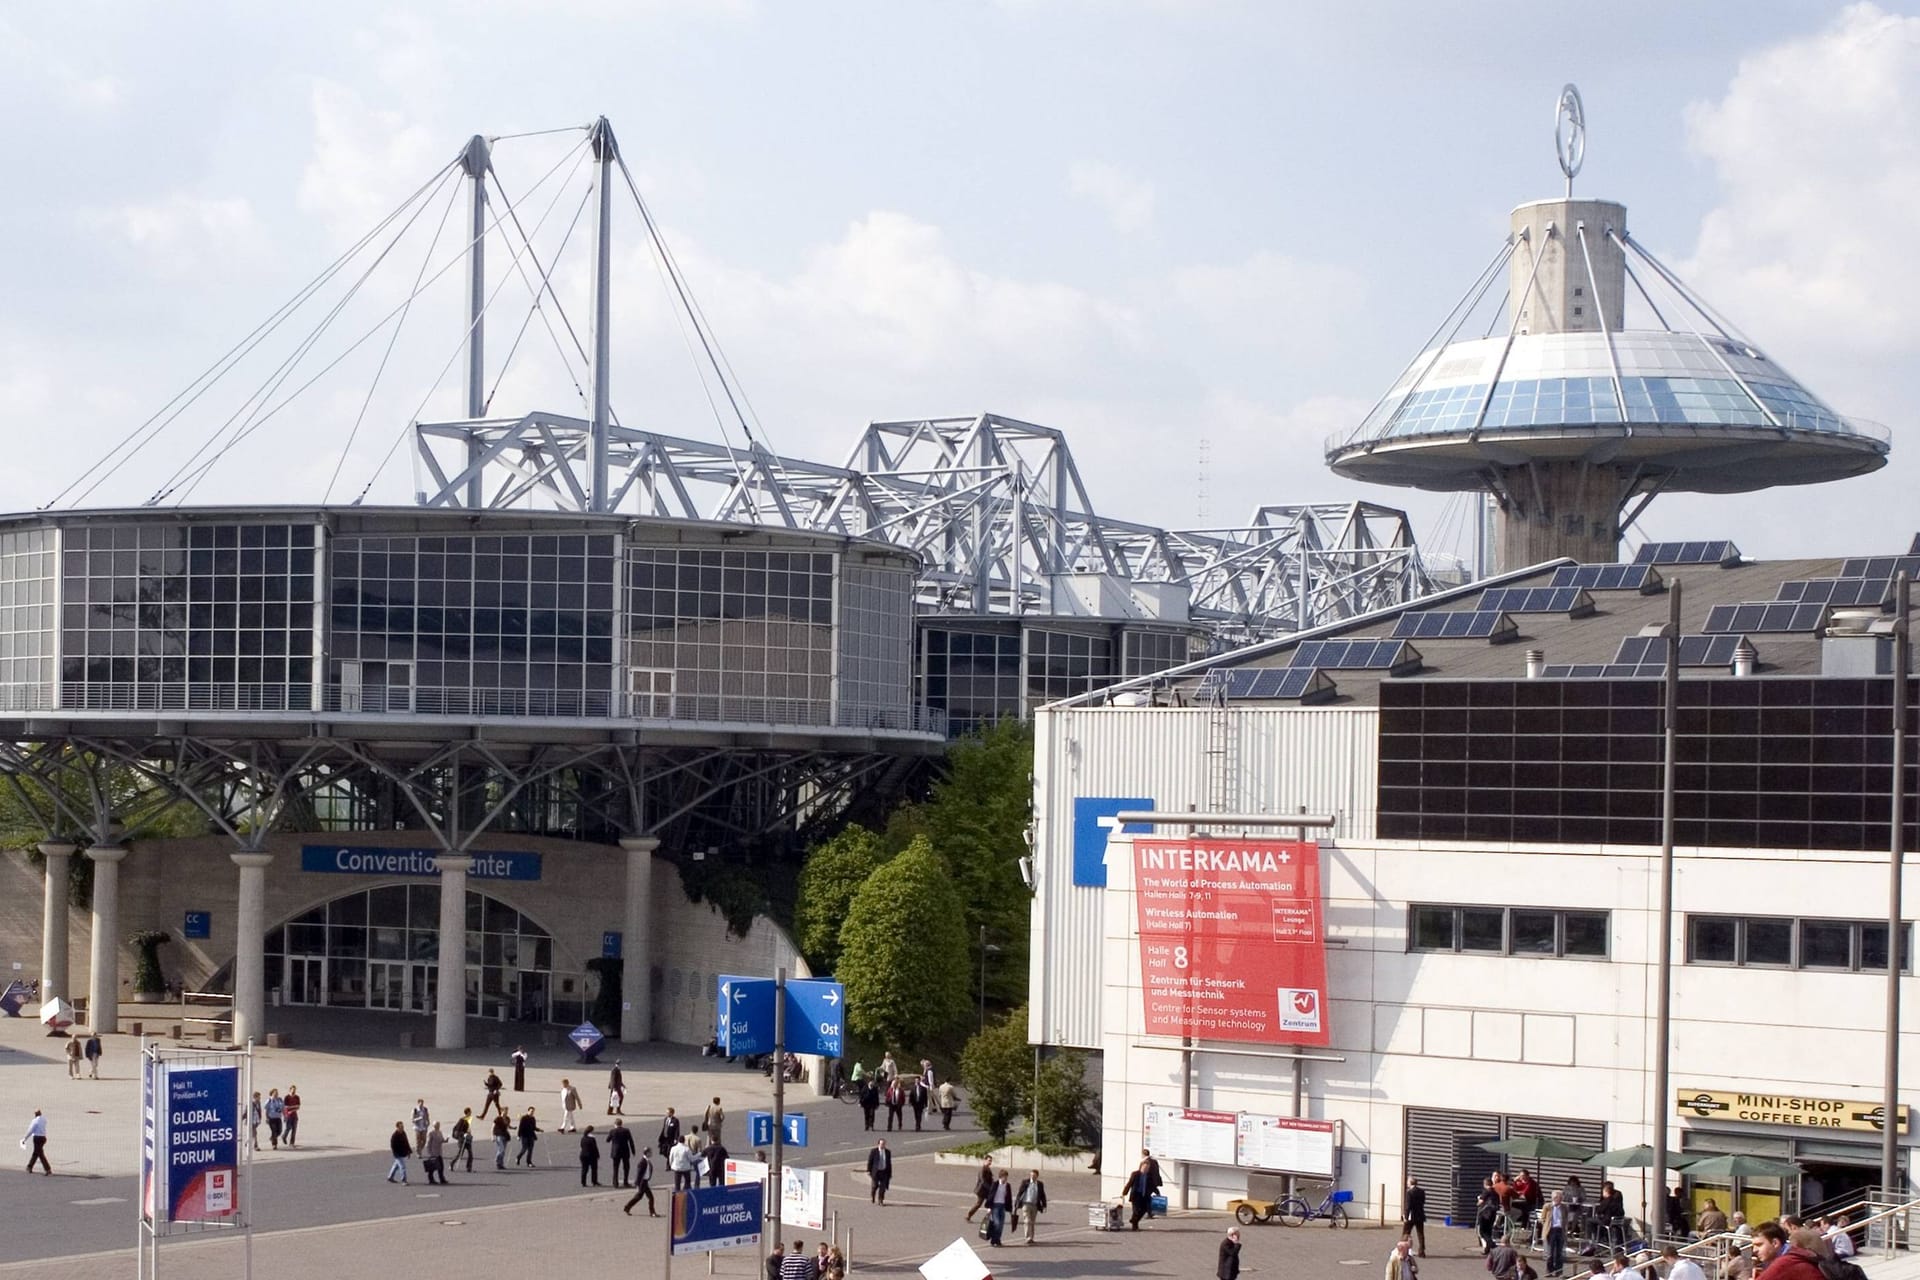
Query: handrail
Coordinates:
[1875,1211]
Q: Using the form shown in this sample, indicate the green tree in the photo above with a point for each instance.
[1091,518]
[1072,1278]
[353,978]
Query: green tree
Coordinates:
[1064,1097]
[903,951]
[997,1067]
[978,820]
[834,872]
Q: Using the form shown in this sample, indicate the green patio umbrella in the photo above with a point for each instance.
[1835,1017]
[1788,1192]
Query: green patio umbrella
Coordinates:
[1537,1148]
[1640,1157]
[1742,1167]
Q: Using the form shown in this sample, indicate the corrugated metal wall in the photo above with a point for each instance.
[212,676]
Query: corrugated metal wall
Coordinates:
[1241,759]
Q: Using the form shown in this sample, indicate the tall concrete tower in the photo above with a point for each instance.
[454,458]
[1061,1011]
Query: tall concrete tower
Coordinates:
[1571,419]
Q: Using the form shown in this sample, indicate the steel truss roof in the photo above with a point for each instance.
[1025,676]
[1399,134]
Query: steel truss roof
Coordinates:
[995,508]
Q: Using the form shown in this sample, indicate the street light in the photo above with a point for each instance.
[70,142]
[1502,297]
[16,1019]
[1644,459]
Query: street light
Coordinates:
[986,949]
[1896,857]
[1663,1006]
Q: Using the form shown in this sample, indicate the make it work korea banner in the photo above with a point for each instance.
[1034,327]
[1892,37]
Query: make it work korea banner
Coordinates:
[1230,940]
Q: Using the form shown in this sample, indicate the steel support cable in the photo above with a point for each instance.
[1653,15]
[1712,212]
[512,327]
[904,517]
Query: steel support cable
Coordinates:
[379,324]
[527,323]
[513,216]
[465,334]
[241,349]
[426,260]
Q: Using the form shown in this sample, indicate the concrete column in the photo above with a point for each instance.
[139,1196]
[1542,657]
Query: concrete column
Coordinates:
[103,978]
[636,942]
[249,947]
[53,922]
[450,989]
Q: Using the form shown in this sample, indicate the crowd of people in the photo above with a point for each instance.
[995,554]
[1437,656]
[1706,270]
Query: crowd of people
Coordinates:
[884,1086]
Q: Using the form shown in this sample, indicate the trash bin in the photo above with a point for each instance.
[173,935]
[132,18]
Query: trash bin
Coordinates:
[279,996]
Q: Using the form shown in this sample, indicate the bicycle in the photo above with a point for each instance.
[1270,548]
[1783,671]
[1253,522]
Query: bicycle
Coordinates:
[1296,1212]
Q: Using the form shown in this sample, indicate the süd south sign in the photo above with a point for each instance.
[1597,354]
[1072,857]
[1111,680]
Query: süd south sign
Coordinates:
[1230,940]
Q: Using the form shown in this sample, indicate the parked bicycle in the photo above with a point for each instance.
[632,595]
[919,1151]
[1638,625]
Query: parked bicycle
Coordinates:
[1296,1212]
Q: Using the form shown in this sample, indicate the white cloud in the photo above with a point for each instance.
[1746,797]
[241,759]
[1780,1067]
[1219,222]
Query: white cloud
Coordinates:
[1816,144]
[182,233]
[1126,200]
[1272,300]
[25,59]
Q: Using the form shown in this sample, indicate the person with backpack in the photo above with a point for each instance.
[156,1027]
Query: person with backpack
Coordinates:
[463,1138]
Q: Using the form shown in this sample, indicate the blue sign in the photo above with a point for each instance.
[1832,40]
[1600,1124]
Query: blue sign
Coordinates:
[795,1124]
[793,1128]
[816,1017]
[743,1014]
[371,860]
[610,945]
[1093,822]
[587,1039]
[199,1145]
[709,1218]
[197,924]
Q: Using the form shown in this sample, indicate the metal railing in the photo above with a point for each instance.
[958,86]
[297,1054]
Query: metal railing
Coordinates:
[1887,1227]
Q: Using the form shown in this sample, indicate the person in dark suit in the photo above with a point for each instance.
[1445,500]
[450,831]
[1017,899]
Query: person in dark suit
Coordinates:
[669,1132]
[589,1157]
[1413,1223]
[1228,1267]
[1139,1191]
[520,1070]
[620,1148]
[879,1171]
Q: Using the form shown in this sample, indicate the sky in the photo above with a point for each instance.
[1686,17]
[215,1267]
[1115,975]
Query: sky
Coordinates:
[1197,237]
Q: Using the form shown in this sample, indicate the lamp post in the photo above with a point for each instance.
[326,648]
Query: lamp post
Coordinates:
[1663,1001]
[1896,856]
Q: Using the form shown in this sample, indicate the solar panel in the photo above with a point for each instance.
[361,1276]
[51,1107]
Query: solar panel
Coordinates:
[1650,652]
[1839,592]
[1716,552]
[1880,566]
[1608,577]
[1353,655]
[1595,671]
[1266,683]
[1455,624]
[1569,600]
[1772,616]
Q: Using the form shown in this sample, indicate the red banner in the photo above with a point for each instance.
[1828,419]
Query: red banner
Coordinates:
[1230,942]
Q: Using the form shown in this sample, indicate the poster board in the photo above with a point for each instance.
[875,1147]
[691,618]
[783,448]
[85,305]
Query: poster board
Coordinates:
[1282,1144]
[1182,1133]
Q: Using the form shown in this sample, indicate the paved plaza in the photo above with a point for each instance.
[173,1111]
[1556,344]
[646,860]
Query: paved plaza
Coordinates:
[322,1212]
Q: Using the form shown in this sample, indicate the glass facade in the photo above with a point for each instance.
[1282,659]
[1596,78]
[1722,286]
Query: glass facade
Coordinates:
[1769,762]
[162,616]
[27,592]
[973,669]
[496,624]
[876,646]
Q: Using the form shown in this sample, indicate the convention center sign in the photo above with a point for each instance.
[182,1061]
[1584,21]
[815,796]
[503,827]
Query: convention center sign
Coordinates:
[1230,939]
[373,860]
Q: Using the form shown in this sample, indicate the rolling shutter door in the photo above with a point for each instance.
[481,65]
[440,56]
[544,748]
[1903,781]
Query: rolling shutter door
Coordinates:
[1553,1174]
[1435,1145]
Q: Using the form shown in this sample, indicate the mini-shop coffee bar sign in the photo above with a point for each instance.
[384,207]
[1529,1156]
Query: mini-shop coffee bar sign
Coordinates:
[1799,1110]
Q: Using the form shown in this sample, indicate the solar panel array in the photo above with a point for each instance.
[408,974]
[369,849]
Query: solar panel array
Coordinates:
[1839,592]
[1353,655]
[1597,671]
[1570,600]
[1773,616]
[1695,651]
[1607,577]
[1880,566]
[1717,552]
[1255,683]
[1455,624]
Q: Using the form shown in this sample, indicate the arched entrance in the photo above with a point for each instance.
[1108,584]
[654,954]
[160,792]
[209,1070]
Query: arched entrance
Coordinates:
[378,949]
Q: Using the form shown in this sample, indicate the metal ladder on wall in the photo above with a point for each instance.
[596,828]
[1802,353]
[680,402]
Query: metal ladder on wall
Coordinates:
[1223,754]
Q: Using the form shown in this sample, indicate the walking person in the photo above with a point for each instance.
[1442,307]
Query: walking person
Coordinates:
[463,1138]
[896,1103]
[1414,1221]
[291,1106]
[669,1133]
[1487,1208]
[421,1123]
[36,1137]
[94,1053]
[642,1186]
[999,1205]
[520,1070]
[1030,1202]
[716,1157]
[589,1157]
[616,1091]
[276,1116]
[714,1120]
[73,1058]
[917,1099]
[869,1098]
[529,1133]
[401,1148]
[879,1172]
[1228,1266]
[1139,1192]
[254,1112]
[433,1151]
[502,1132]
[620,1148]
[569,1107]
[492,1085]
[947,1098]
[1400,1263]
[982,1185]
[683,1164]
[1553,1225]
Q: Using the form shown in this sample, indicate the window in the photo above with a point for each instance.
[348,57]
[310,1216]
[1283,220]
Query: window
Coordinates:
[1518,931]
[1843,946]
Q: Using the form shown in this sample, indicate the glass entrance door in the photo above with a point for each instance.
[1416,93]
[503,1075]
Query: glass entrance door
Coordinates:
[306,980]
[403,986]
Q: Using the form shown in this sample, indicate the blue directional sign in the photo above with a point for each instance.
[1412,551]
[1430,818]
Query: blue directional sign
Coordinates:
[816,1017]
[709,1218]
[197,924]
[760,1128]
[1093,822]
[743,1014]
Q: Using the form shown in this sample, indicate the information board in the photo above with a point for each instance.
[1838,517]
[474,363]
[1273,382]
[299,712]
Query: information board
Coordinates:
[1282,1144]
[803,1198]
[1179,1133]
[1230,939]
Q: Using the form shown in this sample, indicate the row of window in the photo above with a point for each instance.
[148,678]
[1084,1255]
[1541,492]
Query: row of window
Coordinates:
[1856,946]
